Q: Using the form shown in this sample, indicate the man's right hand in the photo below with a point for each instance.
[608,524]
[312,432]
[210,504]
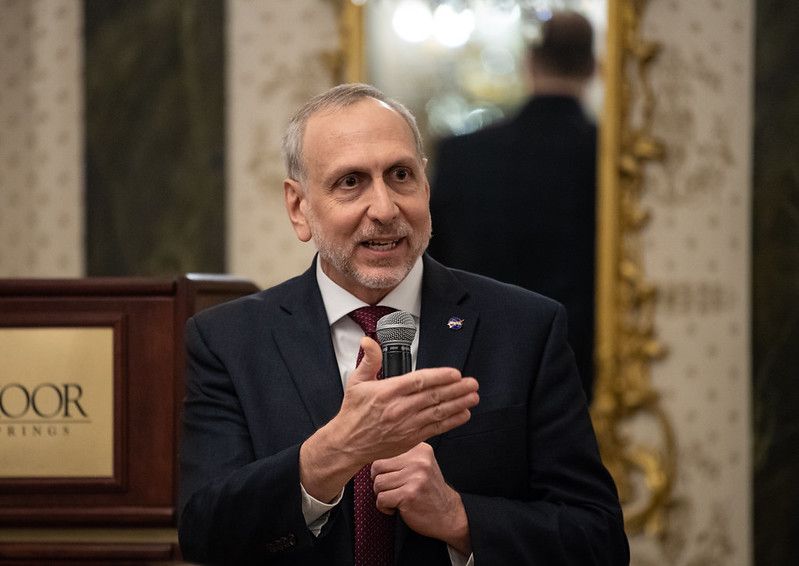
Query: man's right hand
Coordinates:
[382,419]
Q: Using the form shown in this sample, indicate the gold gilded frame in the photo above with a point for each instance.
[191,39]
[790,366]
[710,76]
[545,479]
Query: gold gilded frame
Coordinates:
[625,330]
[644,470]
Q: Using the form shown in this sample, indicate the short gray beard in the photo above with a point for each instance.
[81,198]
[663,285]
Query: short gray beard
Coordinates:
[342,262]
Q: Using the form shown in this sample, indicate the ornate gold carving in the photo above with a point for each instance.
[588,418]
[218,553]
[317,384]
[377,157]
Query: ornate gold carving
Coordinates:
[644,470]
[348,65]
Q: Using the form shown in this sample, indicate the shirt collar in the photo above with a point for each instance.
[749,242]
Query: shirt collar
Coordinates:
[407,296]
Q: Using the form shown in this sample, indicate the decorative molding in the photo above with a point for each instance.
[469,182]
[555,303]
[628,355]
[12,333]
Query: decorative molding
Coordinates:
[644,470]
[349,64]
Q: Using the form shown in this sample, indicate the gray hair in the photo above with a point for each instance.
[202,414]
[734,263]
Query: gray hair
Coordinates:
[336,98]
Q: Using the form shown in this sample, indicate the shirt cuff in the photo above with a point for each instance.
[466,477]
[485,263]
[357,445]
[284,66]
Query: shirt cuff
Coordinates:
[458,559]
[316,512]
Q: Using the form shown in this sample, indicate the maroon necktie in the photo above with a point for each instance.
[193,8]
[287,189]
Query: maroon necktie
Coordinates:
[374,531]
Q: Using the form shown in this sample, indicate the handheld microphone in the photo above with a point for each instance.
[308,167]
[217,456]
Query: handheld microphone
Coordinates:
[396,331]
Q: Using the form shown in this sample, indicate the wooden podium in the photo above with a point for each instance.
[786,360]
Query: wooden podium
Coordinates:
[91,386]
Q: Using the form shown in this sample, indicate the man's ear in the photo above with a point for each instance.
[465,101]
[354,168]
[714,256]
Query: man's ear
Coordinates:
[426,179]
[294,197]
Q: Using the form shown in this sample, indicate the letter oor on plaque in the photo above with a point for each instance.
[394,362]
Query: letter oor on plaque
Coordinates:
[57,402]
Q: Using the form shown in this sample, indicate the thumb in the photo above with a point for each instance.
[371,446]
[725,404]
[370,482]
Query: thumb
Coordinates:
[371,362]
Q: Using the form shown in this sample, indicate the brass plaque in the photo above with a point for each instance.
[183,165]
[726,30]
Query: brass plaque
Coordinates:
[56,402]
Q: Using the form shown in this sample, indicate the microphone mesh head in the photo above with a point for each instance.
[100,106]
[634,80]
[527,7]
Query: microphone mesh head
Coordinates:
[396,328]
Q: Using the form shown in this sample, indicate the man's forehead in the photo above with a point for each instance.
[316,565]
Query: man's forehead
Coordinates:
[357,122]
[336,117]
[366,101]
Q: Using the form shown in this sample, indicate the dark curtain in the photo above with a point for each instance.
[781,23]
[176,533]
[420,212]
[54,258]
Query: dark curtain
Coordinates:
[154,136]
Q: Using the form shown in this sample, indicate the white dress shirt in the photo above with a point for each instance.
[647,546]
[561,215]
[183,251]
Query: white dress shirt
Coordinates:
[407,296]
[346,335]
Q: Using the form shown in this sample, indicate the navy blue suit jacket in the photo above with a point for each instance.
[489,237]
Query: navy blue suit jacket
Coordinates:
[262,377]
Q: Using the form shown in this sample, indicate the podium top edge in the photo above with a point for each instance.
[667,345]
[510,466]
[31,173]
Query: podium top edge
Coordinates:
[116,286]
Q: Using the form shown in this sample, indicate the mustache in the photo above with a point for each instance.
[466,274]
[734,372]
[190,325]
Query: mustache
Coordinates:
[398,229]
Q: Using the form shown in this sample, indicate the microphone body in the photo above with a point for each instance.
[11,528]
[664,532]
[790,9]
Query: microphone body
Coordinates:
[396,332]
[396,360]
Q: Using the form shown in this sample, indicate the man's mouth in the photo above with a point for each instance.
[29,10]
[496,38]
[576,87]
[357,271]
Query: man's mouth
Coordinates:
[381,245]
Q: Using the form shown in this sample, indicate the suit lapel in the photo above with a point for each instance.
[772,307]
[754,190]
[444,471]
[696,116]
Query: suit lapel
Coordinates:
[446,324]
[303,338]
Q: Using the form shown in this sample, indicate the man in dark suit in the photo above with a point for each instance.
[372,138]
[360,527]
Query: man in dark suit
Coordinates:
[281,422]
[516,201]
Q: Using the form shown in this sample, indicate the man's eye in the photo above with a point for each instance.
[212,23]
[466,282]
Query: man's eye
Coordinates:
[401,174]
[349,181]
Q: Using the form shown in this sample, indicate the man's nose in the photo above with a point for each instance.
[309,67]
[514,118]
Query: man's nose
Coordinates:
[382,207]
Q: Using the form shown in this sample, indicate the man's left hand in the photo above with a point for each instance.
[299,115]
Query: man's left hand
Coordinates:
[412,484]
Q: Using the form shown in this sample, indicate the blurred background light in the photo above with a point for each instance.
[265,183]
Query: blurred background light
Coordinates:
[413,21]
[452,28]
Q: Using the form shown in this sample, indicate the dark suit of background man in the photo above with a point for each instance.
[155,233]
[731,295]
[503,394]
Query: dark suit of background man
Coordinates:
[278,418]
[516,200]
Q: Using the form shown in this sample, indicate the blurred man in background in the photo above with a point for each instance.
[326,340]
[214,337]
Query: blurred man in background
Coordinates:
[515,201]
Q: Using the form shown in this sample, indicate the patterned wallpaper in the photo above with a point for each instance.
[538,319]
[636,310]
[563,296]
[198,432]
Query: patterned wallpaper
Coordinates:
[697,253]
[41,161]
[276,61]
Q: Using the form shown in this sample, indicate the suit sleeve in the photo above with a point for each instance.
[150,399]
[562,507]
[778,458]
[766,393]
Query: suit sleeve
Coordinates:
[234,508]
[572,515]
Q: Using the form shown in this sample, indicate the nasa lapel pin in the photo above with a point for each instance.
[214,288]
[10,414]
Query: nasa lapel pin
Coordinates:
[455,323]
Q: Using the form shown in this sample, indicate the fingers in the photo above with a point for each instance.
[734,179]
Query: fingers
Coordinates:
[419,453]
[435,428]
[440,403]
[448,405]
[386,510]
[391,476]
[442,389]
[434,410]
[387,487]
[386,481]
[411,482]
[383,418]
[388,501]
[371,362]
[424,379]
[432,386]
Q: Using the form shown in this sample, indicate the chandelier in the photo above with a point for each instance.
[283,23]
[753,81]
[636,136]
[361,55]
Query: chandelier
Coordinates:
[452,23]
